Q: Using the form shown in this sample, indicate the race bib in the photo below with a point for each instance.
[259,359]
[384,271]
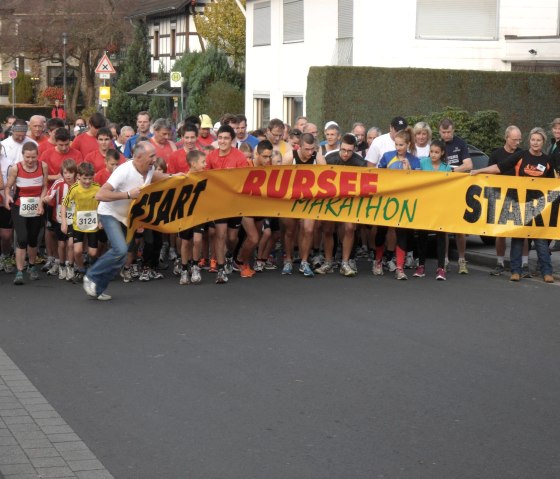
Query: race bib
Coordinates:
[69,215]
[86,220]
[29,206]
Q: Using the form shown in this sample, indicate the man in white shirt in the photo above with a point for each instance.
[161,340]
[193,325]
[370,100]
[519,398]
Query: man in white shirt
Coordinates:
[384,143]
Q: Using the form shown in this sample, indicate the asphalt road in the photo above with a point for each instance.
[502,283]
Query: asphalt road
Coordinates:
[292,378]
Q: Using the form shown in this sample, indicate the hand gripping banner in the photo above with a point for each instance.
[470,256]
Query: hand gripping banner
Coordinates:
[491,205]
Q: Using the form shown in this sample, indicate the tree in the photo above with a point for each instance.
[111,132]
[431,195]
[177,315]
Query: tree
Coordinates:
[223,26]
[24,88]
[201,70]
[135,71]
[33,30]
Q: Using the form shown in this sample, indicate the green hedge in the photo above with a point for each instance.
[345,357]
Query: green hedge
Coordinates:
[375,95]
[24,112]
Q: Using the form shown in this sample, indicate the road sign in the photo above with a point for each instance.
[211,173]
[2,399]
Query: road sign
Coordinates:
[104,92]
[105,65]
[176,79]
[12,74]
[105,76]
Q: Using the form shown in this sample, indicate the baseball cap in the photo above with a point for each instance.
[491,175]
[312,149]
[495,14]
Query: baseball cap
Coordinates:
[399,123]
[205,121]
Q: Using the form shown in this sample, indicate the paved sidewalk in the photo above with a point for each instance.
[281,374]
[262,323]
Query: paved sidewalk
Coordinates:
[35,442]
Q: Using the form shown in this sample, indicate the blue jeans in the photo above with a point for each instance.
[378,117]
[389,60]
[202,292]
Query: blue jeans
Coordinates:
[109,265]
[543,255]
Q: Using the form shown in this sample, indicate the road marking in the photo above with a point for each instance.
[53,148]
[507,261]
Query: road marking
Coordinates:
[34,439]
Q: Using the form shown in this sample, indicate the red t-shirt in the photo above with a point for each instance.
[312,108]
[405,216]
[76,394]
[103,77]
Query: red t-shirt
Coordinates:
[53,158]
[234,159]
[98,160]
[178,162]
[85,143]
[163,151]
[102,176]
[46,145]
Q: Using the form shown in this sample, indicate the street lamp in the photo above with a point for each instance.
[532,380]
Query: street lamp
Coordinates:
[64,42]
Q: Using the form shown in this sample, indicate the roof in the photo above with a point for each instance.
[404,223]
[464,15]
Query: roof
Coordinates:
[146,8]
[147,87]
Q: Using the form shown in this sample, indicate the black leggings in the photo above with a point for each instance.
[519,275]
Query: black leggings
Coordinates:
[423,247]
[27,229]
[402,236]
[152,247]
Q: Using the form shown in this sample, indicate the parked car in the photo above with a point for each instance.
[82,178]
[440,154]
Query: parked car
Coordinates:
[480,160]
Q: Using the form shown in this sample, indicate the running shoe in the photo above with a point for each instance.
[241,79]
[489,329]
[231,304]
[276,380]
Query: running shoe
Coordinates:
[352,263]
[498,270]
[126,275]
[172,254]
[78,277]
[70,273]
[247,271]
[228,266]
[400,274]
[213,266]
[420,272]
[271,263]
[55,268]
[19,278]
[203,264]
[2,261]
[317,260]
[33,273]
[462,266]
[89,287]
[305,269]
[48,264]
[134,270]
[325,268]
[177,267]
[409,262]
[104,297]
[184,277]
[62,272]
[195,275]
[222,277]
[525,272]
[440,274]
[144,275]
[9,264]
[288,268]
[259,266]
[346,269]
[392,265]
[377,268]
[154,274]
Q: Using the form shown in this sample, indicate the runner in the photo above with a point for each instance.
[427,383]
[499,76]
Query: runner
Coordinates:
[104,144]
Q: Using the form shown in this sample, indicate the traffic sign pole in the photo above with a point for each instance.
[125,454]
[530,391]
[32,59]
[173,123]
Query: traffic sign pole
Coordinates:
[13,76]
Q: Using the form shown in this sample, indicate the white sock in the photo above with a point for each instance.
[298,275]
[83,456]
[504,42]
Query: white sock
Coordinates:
[524,260]
[501,260]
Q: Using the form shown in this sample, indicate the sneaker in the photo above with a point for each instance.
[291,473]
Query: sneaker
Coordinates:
[525,273]
[288,268]
[19,278]
[55,268]
[325,268]
[126,274]
[305,269]
[377,269]
[154,274]
[48,265]
[317,260]
[213,266]
[78,277]
[400,274]
[498,270]
[222,277]
[2,261]
[409,262]
[228,267]
[237,266]
[34,273]
[195,275]
[104,297]
[177,267]
[440,274]
[548,278]
[392,265]
[362,252]
[9,264]
[462,266]
[144,275]
[515,277]
[70,272]
[62,272]
[203,264]
[353,265]
[135,270]
[271,263]
[172,254]
[184,277]
[247,271]
[89,287]
[347,270]
[420,272]
[259,266]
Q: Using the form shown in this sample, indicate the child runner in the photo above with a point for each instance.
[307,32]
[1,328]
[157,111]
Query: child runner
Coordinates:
[84,223]
[112,160]
[436,162]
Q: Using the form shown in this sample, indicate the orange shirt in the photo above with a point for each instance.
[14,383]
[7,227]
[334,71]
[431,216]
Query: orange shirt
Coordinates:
[234,159]
[177,162]
[102,176]
[163,151]
[98,160]
[53,158]
[85,143]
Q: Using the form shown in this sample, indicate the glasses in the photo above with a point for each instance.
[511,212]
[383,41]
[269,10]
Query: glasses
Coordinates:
[348,152]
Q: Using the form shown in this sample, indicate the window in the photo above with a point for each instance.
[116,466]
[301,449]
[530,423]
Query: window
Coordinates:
[293,107]
[173,40]
[261,111]
[293,21]
[156,44]
[261,24]
[460,19]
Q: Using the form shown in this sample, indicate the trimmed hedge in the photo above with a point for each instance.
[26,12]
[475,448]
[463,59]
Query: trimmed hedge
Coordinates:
[375,95]
[24,112]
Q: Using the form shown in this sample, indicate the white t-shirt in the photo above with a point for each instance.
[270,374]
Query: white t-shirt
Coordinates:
[380,145]
[423,151]
[125,178]
[10,154]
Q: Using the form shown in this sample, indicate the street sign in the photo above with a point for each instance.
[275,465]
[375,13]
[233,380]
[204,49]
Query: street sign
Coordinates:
[105,65]
[12,74]
[176,79]
[105,76]
[104,92]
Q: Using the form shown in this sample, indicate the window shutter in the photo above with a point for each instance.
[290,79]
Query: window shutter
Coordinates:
[261,24]
[293,21]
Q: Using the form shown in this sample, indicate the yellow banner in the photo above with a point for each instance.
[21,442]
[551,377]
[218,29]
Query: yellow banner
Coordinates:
[491,205]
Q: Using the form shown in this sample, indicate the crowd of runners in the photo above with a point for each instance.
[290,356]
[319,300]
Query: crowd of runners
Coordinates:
[66,190]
